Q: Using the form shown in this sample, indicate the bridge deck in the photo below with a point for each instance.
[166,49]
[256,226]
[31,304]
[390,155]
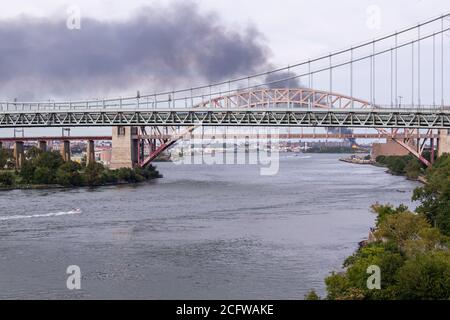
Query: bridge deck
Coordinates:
[273,117]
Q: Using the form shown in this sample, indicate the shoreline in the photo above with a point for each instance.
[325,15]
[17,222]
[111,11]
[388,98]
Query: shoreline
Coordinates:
[360,161]
[57,186]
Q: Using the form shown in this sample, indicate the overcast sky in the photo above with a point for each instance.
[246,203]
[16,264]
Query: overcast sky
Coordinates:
[155,44]
[294,29]
[270,32]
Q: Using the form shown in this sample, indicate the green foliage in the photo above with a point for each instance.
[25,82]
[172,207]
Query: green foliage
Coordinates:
[6,179]
[312,295]
[402,165]
[435,195]
[381,159]
[43,168]
[94,174]
[69,174]
[412,255]
[49,160]
[425,277]
[383,211]
[34,153]
[413,169]
[27,171]
[43,175]
[3,158]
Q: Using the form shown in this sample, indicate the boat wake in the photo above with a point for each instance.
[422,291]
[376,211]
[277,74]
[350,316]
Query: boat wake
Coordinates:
[45,215]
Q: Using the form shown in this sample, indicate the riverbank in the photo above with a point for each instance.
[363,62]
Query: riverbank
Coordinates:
[396,165]
[410,248]
[357,160]
[48,170]
[56,187]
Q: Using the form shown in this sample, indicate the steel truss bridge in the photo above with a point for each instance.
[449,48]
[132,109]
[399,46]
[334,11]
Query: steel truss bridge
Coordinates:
[396,82]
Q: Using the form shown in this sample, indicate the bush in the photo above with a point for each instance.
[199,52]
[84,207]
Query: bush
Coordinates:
[6,179]
[50,160]
[27,171]
[381,159]
[413,169]
[49,168]
[425,277]
[43,175]
[3,159]
[68,174]
[412,256]
[94,174]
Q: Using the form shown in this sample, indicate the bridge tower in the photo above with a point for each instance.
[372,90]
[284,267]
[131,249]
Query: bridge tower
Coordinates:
[444,142]
[124,147]
[42,145]
[90,152]
[65,150]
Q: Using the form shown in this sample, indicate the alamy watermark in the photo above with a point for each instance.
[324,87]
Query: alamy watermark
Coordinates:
[255,146]
[74,280]
[373,21]
[73,21]
[374,280]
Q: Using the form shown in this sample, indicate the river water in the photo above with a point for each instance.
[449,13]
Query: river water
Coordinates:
[201,232]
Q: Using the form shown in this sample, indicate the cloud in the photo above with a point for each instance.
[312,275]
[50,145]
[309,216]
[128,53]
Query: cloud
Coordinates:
[156,48]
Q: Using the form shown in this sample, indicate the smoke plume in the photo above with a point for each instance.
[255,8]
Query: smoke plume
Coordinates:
[157,48]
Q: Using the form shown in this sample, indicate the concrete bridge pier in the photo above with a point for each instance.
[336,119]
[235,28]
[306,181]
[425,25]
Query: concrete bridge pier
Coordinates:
[124,147]
[444,142]
[42,145]
[90,153]
[65,150]
[19,154]
[390,148]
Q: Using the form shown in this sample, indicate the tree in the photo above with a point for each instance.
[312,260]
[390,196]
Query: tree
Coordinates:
[27,171]
[93,174]
[50,160]
[413,169]
[435,195]
[3,159]
[43,175]
[68,174]
[34,153]
[413,257]
[424,277]
[312,295]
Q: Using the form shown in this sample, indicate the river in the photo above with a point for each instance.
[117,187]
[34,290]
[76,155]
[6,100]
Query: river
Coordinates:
[201,232]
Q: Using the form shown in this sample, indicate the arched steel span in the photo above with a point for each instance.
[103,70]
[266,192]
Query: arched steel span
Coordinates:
[284,97]
[288,100]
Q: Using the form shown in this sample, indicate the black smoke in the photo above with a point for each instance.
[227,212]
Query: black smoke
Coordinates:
[335,130]
[277,80]
[156,48]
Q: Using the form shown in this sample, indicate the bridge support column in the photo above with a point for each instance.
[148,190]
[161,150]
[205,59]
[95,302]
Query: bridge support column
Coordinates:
[90,152]
[42,145]
[65,150]
[444,142]
[19,154]
[124,147]
[390,148]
